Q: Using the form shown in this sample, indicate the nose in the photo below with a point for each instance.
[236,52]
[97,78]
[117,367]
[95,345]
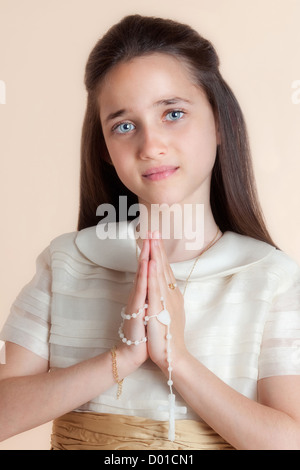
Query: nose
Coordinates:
[152,144]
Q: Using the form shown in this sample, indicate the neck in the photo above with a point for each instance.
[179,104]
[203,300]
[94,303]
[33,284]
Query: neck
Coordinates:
[185,229]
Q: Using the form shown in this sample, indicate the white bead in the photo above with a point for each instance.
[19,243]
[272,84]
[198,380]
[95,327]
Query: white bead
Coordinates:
[170,369]
[169,336]
[124,340]
[121,335]
[136,343]
[134,315]
[127,317]
[128,342]
[170,382]
[147,318]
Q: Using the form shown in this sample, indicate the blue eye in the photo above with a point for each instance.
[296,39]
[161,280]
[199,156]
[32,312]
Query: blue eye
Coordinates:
[124,128]
[174,115]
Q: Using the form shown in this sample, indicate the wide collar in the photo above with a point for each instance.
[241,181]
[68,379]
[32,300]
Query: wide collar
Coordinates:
[118,251]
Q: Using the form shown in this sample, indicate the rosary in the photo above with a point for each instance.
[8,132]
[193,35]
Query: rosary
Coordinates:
[163,317]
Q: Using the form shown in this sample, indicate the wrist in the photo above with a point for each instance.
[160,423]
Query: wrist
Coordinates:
[179,359]
[130,358]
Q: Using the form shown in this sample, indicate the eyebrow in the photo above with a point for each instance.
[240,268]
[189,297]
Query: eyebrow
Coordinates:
[163,102]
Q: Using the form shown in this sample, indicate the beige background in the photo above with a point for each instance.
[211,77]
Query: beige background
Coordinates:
[44,45]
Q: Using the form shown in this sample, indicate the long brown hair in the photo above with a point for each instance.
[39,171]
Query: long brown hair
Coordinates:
[234,198]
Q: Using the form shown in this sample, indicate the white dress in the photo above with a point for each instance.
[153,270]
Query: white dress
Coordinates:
[242,306]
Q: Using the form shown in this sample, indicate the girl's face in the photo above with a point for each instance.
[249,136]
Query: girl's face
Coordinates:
[159,130]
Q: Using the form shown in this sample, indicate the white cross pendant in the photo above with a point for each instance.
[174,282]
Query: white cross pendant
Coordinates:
[172,409]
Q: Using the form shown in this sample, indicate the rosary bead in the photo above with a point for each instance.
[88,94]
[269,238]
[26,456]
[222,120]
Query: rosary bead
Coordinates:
[164,318]
[127,316]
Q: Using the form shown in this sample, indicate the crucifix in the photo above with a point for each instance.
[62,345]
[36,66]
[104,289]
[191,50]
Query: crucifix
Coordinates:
[164,318]
[171,408]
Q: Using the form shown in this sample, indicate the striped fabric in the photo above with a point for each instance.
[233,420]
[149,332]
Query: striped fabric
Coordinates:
[242,307]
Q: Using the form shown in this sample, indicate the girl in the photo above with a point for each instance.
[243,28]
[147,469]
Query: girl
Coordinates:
[125,323]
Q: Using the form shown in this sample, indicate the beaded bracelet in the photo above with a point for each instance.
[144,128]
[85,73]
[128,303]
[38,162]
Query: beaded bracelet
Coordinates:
[163,317]
[126,316]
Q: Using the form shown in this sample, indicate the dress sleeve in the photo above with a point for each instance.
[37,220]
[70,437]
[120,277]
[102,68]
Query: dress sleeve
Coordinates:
[28,323]
[280,349]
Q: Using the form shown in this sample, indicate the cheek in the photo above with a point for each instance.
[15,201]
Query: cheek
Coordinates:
[122,164]
[119,148]
[117,154]
[201,146]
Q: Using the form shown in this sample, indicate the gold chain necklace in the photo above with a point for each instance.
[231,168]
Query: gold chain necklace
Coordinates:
[213,241]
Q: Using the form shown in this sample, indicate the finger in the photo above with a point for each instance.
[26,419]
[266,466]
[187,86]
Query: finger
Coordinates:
[145,251]
[164,270]
[144,256]
[156,256]
[169,275]
[138,293]
[143,271]
[154,293]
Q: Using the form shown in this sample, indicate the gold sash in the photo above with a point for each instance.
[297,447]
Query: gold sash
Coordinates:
[95,431]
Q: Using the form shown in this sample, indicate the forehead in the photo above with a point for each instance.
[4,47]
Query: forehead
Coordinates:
[145,80]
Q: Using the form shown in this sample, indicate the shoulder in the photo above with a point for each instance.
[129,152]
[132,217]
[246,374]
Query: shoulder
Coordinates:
[114,248]
[233,254]
[251,250]
[285,269]
[64,242]
[267,260]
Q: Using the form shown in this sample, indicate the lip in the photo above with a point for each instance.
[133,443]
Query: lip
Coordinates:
[161,172]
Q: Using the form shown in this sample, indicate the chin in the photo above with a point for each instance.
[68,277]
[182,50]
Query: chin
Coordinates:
[168,199]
